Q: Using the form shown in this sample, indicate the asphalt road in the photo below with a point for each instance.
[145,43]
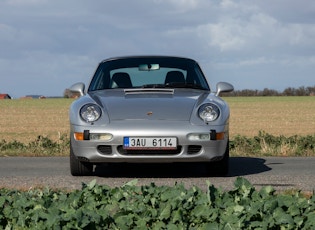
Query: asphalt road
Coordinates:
[281,173]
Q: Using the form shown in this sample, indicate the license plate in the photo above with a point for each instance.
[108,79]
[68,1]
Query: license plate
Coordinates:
[150,143]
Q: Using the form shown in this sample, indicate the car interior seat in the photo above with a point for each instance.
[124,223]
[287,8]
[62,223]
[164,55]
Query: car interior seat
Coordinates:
[122,80]
[174,77]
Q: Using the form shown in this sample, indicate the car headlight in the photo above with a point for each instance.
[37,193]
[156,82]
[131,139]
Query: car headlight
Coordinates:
[209,112]
[90,113]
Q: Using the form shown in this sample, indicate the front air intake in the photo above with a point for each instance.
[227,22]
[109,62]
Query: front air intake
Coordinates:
[138,152]
[104,149]
[193,149]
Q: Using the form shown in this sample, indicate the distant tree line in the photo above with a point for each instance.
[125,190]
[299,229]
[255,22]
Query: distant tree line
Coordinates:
[301,91]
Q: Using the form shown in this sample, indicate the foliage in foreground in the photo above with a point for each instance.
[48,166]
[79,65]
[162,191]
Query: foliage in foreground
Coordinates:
[152,207]
[41,146]
[263,144]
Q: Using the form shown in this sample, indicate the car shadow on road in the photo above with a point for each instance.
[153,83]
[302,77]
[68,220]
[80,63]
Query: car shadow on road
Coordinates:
[239,166]
[242,166]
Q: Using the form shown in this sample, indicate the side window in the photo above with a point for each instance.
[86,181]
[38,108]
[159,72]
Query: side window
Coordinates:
[99,83]
[200,78]
[100,80]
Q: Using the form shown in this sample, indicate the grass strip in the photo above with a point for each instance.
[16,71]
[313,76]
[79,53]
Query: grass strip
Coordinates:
[263,144]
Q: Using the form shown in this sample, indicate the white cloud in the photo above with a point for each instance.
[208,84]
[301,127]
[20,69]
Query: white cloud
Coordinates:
[24,2]
[244,40]
[7,33]
[228,4]
[222,36]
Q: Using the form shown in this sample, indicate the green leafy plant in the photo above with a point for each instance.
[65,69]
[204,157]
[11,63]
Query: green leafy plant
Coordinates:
[156,207]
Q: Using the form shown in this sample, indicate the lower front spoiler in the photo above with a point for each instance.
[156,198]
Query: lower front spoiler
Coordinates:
[213,151]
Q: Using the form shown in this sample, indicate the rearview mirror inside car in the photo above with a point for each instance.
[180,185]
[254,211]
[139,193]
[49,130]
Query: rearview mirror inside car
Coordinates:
[149,67]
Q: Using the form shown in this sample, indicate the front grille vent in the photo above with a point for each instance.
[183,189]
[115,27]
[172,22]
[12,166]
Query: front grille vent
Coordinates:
[84,159]
[105,149]
[137,152]
[193,149]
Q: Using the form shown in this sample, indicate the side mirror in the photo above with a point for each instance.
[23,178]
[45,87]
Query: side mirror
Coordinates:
[77,88]
[224,87]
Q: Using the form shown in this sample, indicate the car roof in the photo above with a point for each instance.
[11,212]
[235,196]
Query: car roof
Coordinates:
[147,56]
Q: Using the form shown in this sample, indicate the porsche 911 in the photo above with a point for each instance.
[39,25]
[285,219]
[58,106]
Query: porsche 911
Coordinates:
[149,109]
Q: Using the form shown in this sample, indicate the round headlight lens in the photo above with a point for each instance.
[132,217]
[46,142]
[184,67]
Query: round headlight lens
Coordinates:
[90,113]
[209,112]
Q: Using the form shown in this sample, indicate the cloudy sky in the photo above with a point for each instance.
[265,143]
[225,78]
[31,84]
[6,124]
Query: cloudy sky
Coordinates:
[46,46]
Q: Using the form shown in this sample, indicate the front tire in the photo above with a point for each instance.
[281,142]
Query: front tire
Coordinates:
[78,168]
[220,168]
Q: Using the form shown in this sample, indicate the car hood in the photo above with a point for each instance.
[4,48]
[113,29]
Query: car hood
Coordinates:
[153,104]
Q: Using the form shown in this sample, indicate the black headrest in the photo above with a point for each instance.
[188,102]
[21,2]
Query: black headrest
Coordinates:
[174,76]
[122,80]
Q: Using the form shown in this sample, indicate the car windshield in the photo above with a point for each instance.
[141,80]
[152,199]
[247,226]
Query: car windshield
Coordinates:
[148,72]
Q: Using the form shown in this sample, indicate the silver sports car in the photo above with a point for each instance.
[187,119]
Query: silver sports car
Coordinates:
[149,109]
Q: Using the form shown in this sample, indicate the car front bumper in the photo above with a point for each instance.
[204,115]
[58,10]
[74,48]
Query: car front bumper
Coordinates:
[100,151]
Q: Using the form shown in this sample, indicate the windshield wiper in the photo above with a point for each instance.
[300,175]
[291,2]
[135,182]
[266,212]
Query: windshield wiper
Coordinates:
[183,85]
[154,86]
[174,85]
